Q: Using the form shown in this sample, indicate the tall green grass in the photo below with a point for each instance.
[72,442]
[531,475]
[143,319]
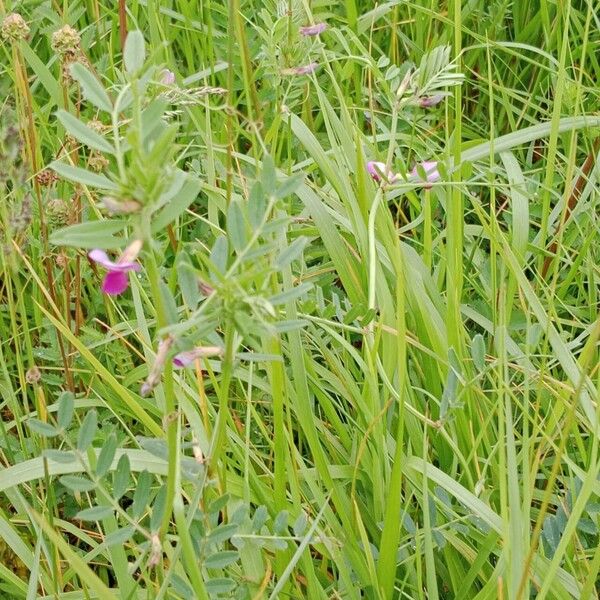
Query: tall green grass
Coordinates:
[405,404]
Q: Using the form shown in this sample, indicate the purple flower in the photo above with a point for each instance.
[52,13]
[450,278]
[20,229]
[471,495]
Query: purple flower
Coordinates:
[116,281]
[185,359]
[315,29]
[428,101]
[431,172]
[377,171]
[304,70]
[167,77]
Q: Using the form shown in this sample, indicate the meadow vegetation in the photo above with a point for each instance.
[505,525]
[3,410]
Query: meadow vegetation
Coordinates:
[299,299]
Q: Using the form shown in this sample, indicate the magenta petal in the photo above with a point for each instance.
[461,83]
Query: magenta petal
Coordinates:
[100,257]
[184,359]
[115,282]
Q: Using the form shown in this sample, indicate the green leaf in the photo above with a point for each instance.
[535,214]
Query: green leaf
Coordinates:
[121,477]
[83,176]
[177,206]
[281,522]
[169,303]
[94,513]
[222,533]
[158,509]
[478,352]
[92,89]
[290,185]
[119,537]
[60,456]
[66,407]
[300,524]
[134,53]
[141,494]
[42,428]
[236,226]
[218,254]
[292,294]
[219,560]
[216,506]
[83,133]
[187,280]
[76,562]
[257,205]
[291,253]
[77,484]
[106,456]
[268,176]
[220,585]
[93,234]
[87,431]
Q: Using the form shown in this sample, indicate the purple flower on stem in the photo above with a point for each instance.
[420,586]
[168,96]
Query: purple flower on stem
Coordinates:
[377,172]
[167,77]
[315,29]
[431,172]
[428,101]
[185,359]
[116,280]
[304,70]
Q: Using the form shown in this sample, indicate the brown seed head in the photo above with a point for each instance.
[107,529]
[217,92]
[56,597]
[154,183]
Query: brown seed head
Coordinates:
[66,41]
[33,375]
[14,28]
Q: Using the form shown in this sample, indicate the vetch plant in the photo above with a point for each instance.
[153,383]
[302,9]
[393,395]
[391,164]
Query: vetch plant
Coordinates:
[116,280]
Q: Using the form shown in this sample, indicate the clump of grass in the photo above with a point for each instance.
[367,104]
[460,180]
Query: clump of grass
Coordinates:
[299,302]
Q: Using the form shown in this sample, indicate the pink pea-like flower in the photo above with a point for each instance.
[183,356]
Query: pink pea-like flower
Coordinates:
[429,101]
[431,172]
[377,171]
[303,70]
[167,77]
[314,29]
[185,359]
[116,280]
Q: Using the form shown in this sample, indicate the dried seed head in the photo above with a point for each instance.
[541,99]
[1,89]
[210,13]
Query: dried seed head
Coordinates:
[155,551]
[66,41]
[62,261]
[58,211]
[198,454]
[33,375]
[46,177]
[96,125]
[14,28]
[98,162]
